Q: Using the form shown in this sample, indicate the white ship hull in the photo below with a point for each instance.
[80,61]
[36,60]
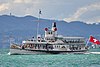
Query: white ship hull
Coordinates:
[23,51]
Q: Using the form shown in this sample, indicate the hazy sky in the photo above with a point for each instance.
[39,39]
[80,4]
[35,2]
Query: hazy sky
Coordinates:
[68,10]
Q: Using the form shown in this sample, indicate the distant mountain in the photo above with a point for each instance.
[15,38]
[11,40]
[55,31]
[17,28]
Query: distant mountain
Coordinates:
[25,27]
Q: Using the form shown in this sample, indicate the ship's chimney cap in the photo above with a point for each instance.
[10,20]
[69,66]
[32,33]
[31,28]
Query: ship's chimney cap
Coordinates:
[54,24]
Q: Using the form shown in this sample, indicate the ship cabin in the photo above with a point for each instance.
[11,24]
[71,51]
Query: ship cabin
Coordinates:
[70,43]
[52,41]
[42,43]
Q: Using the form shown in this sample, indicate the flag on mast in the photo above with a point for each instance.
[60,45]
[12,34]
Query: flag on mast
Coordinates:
[94,40]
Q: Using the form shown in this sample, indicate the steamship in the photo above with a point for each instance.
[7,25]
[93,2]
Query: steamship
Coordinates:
[51,43]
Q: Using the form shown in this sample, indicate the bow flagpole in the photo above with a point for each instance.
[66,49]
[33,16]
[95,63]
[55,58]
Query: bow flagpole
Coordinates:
[88,41]
[87,46]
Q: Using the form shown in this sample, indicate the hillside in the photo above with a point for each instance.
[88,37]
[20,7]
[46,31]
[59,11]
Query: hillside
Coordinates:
[25,27]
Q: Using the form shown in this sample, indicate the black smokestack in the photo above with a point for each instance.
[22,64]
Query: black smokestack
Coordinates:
[54,24]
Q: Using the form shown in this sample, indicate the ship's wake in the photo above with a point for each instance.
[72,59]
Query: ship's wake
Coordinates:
[94,52]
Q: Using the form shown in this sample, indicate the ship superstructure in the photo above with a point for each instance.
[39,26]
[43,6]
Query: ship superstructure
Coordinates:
[50,43]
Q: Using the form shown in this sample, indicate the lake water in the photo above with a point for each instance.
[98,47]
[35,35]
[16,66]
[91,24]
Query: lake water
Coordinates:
[49,60]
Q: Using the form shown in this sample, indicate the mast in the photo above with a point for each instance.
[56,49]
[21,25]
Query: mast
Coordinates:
[38,22]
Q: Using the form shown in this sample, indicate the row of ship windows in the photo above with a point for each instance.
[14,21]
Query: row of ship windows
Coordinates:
[73,41]
[70,47]
[49,38]
[38,46]
[35,46]
[48,32]
[65,46]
